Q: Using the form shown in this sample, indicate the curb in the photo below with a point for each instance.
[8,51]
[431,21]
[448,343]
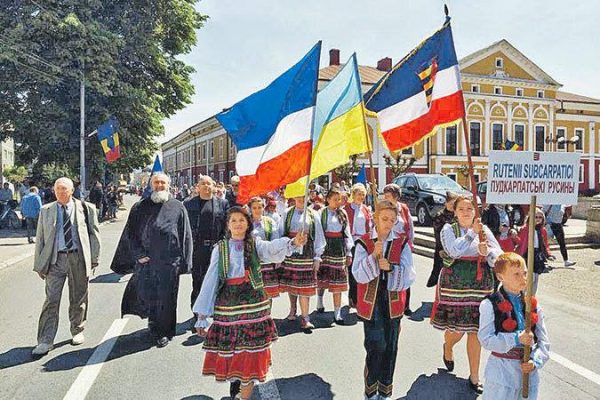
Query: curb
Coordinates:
[14,260]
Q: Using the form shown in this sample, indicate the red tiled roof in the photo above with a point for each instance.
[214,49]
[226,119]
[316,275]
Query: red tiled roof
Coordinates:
[368,75]
[565,96]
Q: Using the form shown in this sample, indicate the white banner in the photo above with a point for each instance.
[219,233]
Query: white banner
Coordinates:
[515,176]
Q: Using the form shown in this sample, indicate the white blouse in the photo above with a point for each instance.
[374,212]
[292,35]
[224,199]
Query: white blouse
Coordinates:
[365,267]
[274,251]
[334,225]
[259,229]
[296,226]
[467,244]
[359,223]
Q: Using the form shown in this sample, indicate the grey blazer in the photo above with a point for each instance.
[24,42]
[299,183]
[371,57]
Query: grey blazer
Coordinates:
[45,239]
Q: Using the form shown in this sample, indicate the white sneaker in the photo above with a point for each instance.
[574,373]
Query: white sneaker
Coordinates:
[569,263]
[78,339]
[41,349]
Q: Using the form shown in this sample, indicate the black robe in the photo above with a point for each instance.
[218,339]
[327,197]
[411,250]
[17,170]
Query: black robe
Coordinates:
[161,232]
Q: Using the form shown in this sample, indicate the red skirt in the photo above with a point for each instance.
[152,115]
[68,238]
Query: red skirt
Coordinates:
[245,366]
[270,275]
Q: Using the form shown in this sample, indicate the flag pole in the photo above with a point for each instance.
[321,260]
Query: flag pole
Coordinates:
[312,130]
[530,261]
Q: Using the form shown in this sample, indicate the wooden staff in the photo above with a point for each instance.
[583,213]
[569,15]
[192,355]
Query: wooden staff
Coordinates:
[370,154]
[530,261]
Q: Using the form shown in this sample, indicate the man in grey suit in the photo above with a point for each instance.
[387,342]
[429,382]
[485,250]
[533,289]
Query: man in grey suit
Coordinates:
[67,248]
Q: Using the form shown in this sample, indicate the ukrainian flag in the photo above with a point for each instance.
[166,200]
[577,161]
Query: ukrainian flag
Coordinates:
[339,129]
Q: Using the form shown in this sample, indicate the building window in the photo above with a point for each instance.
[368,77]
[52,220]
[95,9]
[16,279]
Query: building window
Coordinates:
[477,178]
[561,133]
[451,140]
[497,136]
[499,62]
[230,175]
[581,173]
[452,176]
[497,90]
[579,142]
[520,135]
[212,149]
[408,150]
[475,88]
[222,147]
[540,94]
[204,151]
[519,92]
[540,138]
[475,138]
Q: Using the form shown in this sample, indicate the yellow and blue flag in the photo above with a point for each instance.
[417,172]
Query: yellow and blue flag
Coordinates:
[339,129]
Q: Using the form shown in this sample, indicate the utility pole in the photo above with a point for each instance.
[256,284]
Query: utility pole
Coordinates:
[82,136]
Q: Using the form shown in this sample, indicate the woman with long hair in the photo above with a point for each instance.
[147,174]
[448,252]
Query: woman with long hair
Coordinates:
[465,280]
[238,343]
[265,229]
[299,276]
[332,274]
[541,250]
[384,270]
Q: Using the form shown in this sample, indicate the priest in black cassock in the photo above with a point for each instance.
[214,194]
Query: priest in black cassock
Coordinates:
[156,246]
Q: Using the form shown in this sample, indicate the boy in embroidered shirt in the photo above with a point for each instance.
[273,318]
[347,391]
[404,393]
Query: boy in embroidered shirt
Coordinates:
[502,331]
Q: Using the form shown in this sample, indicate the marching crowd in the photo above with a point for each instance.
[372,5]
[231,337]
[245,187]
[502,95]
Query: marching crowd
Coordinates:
[242,256]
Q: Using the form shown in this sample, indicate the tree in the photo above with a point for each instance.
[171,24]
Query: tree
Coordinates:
[15,174]
[398,164]
[126,52]
[346,172]
[49,173]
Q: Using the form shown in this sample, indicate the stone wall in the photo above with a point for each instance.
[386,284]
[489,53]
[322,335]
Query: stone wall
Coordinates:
[580,210]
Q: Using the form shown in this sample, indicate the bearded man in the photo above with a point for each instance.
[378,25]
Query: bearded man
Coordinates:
[156,246]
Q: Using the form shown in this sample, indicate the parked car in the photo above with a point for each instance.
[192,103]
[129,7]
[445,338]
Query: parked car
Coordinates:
[519,211]
[425,194]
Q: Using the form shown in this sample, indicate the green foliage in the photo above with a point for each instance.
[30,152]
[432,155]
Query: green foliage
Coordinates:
[50,172]
[346,172]
[125,50]
[15,174]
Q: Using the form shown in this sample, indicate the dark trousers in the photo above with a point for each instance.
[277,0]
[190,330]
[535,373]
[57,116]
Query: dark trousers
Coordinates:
[559,234]
[31,227]
[381,344]
[200,264]
[351,282]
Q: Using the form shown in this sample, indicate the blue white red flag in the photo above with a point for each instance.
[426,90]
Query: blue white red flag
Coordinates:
[272,129]
[420,94]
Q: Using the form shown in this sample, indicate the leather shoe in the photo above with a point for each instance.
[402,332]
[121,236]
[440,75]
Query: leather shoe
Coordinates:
[234,389]
[448,363]
[162,342]
[320,310]
[41,349]
[476,387]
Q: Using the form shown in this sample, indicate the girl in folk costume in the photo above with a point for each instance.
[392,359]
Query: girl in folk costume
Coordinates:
[392,192]
[300,269]
[332,273]
[361,222]
[541,250]
[238,342]
[502,331]
[383,268]
[465,280]
[265,229]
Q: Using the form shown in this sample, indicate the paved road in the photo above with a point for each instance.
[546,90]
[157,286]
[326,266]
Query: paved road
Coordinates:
[323,365]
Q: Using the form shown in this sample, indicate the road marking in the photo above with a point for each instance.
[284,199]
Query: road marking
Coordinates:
[90,371]
[269,390]
[578,369]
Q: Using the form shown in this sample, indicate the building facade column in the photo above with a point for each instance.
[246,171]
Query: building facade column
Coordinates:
[530,133]
[486,137]
[553,144]
[509,124]
[592,153]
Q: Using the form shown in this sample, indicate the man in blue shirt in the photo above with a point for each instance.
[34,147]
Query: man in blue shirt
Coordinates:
[30,208]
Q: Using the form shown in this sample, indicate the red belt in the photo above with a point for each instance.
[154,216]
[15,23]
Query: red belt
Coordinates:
[334,234]
[515,353]
[238,280]
[292,234]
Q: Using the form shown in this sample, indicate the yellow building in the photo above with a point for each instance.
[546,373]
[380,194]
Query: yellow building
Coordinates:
[507,97]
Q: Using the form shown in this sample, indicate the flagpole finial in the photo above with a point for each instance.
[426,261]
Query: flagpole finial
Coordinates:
[446,10]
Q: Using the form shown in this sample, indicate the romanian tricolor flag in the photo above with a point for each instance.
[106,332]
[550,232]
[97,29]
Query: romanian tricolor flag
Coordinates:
[420,94]
[108,136]
[339,130]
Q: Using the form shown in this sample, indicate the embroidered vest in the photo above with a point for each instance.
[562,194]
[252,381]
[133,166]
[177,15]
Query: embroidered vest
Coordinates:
[324,217]
[268,227]
[365,211]
[504,312]
[253,269]
[367,292]
[311,222]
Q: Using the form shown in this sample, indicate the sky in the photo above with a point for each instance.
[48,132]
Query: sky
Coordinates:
[245,44]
